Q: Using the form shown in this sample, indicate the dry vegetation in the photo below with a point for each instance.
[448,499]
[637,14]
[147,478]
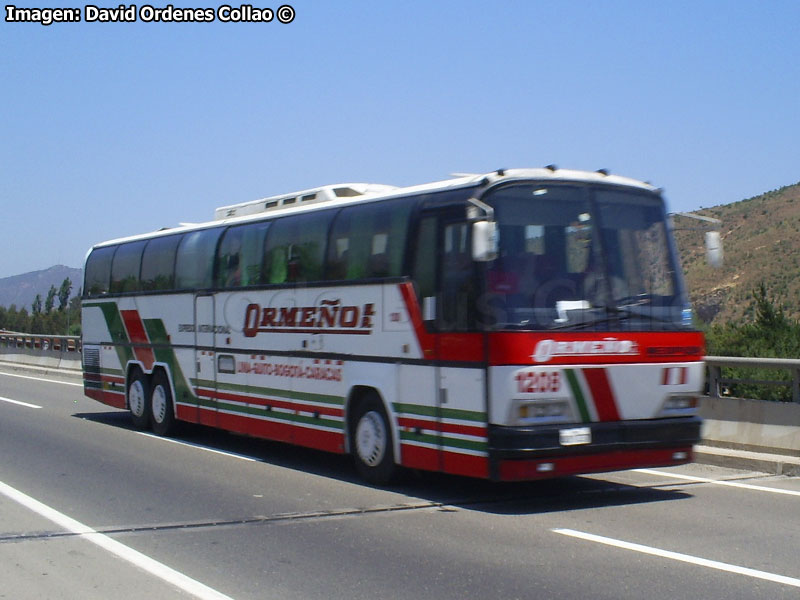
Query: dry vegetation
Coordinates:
[761,238]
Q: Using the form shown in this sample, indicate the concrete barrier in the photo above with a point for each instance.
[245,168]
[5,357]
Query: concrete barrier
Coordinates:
[48,351]
[754,425]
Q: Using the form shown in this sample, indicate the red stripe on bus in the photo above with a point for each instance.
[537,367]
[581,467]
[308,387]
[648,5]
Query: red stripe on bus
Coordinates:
[602,394]
[457,347]
[329,441]
[519,347]
[262,401]
[466,464]
[442,427]
[99,377]
[115,399]
[187,412]
[427,342]
[417,457]
[137,335]
[455,463]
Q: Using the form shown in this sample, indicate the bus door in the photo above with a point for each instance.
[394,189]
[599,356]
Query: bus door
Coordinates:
[205,359]
[444,275]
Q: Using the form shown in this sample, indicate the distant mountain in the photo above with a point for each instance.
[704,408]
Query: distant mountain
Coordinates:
[761,241]
[21,290]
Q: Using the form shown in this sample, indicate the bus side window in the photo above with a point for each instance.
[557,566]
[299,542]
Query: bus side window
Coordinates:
[98,271]
[295,248]
[368,241]
[125,267]
[240,254]
[194,263]
[425,260]
[158,263]
[458,291]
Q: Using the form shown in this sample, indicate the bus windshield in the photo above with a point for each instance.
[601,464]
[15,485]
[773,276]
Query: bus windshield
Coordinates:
[579,257]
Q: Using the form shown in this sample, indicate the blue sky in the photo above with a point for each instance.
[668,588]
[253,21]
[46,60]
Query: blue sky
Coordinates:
[111,129]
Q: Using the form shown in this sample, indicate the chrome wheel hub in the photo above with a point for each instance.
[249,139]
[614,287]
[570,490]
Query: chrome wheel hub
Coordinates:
[371,438]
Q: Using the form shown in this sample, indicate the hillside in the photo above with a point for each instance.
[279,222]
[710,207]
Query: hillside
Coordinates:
[761,238]
[21,290]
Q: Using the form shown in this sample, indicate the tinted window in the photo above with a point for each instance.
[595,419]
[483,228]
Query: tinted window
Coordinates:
[296,248]
[636,246]
[125,267]
[158,263]
[240,255]
[98,271]
[194,264]
[458,293]
[425,259]
[369,241]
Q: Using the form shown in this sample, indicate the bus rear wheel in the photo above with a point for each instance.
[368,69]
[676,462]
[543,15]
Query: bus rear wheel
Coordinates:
[138,396]
[371,441]
[162,410]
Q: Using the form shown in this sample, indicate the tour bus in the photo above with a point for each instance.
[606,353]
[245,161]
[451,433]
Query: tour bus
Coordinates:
[515,325]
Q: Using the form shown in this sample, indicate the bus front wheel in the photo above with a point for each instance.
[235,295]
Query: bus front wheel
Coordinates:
[371,441]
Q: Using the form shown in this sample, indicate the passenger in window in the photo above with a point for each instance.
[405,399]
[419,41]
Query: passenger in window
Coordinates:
[234,271]
[233,267]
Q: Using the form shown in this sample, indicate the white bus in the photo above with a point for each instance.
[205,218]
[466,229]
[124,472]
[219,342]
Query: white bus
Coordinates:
[514,325]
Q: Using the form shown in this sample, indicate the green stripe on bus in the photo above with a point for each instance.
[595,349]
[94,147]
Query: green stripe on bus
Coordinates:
[445,442]
[116,328]
[157,334]
[578,393]
[109,371]
[259,411]
[445,413]
[240,388]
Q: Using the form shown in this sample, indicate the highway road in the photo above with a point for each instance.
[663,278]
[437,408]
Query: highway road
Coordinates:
[91,509]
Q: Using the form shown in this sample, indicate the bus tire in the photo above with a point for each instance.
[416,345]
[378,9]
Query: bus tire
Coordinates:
[162,409]
[371,441]
[138,398]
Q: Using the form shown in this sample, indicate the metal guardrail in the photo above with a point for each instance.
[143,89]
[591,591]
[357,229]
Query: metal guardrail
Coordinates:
[62,351]
[21,347]
[716,381]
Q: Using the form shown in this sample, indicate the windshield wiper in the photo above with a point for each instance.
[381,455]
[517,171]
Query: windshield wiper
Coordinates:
[614,313]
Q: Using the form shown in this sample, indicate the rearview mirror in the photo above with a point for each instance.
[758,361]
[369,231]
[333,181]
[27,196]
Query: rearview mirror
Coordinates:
[484,241]
[714,252]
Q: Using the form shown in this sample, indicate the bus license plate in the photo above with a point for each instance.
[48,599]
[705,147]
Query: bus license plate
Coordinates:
[575,437]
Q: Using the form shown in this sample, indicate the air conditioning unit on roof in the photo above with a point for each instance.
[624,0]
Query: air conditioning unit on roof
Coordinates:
[320,194]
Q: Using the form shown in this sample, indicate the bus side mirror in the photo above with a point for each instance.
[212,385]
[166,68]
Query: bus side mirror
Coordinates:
[714,253]
[484,241]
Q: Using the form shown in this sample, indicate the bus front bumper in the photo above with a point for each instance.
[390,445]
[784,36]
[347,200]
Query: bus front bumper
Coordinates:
[525,453]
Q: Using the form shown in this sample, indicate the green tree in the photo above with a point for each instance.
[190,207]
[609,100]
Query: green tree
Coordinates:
[36,307]
[74,315]
[768,316]
[63,294]
[51,298]
[771,334]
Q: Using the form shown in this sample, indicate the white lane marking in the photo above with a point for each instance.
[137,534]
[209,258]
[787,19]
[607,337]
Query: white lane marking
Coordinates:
[160,570]
[20,403]
[734,484]
[687,558]
[199,447]
[42,379]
